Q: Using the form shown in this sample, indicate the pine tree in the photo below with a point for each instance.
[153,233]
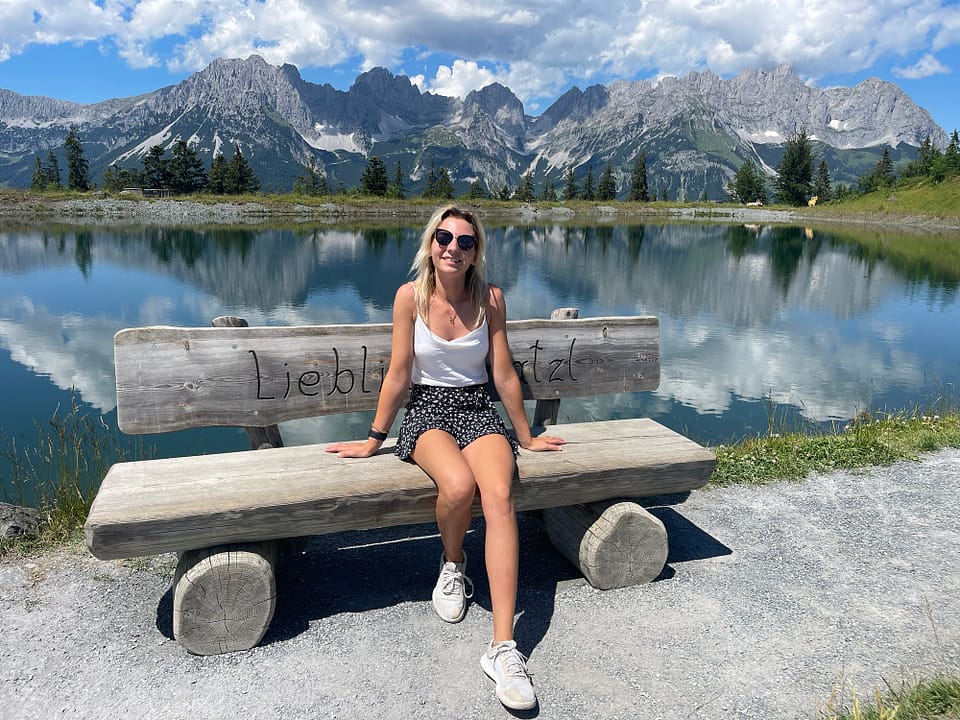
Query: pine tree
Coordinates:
[927,156]
[430,188]
[186,171]
[301,186]
[445,190]
[795,171]
[78,170]
[885,168]
[217,177]
[374,180]
[951,156]
[240,178]
[112,179]
[749,184]
[525,190]
[588,191]
[607,189]
[36,181]
[116,178]
[570,191]
[639,190]
[477,191]
[549,193]
[155,171]
[841,192]
[312,182]
[396,189]
[821,183]
[881,176]
[51,172]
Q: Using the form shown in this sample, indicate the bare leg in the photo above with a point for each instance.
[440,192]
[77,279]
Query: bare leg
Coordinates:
[492,462]
[437,455]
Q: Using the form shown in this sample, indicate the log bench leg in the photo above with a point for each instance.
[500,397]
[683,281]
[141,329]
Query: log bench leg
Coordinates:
[613,543]
[224,597]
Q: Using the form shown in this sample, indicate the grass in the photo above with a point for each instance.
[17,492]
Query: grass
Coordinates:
[867,441]
[60,472]
[912,196]
[937,698]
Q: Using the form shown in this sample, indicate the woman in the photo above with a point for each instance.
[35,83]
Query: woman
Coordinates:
[448,324]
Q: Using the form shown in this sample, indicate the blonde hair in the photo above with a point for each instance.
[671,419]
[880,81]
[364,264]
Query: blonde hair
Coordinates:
[425,280]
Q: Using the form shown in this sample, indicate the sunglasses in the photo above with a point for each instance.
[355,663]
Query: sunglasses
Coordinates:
[445,237]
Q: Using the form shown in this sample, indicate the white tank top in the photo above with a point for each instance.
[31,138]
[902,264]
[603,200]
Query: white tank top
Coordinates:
[449,363]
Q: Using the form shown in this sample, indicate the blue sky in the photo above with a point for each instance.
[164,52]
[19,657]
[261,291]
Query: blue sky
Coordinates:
[91,50]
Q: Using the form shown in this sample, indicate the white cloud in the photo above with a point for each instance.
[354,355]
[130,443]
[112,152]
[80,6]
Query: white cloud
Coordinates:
[460,79]
[925,67]
[533,47]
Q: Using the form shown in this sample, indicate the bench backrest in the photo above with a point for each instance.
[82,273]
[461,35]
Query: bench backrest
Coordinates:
[170,378]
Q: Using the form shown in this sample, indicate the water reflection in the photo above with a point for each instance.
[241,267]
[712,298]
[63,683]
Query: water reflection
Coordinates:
[824,324]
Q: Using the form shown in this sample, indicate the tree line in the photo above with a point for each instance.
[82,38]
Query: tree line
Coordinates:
[796,182]
[438,185]
[46,175]
[183,172]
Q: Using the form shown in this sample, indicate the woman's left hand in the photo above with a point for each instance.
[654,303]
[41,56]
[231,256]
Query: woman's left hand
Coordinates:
[543,443]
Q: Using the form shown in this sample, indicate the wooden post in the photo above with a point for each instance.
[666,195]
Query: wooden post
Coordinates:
[546,412]
[259,437]
[614,543]
[262,438]
[224,597]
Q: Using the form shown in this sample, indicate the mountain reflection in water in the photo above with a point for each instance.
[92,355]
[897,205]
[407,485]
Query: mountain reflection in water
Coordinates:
[812,326]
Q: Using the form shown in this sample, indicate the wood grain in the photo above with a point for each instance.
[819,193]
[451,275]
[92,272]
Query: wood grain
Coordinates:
[224,597]
[171,378]
[177,504]
[613,543]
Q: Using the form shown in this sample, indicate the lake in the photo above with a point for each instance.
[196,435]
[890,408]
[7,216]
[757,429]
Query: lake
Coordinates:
[761,326]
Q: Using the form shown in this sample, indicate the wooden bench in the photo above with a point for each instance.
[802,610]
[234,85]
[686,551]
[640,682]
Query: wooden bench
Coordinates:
[227,513]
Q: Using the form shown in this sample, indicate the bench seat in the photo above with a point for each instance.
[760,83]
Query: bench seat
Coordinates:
[178,504]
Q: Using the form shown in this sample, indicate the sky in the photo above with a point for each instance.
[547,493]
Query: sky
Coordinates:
[93,50]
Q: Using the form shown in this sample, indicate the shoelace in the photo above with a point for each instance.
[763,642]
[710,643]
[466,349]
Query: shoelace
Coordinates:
[514,662]
[453,578]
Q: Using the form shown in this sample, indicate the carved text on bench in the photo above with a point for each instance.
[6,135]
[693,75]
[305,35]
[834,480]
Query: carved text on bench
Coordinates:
[309,382]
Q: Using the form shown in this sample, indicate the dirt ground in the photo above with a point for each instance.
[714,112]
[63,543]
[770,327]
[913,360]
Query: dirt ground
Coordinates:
[772,599]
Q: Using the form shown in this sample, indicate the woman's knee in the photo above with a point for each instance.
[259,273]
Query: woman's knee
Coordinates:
[497,498]
[456,491]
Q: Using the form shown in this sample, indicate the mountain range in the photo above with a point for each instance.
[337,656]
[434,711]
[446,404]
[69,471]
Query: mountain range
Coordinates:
[695,131]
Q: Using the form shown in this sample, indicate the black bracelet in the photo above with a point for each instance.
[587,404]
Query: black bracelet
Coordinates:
[376,434]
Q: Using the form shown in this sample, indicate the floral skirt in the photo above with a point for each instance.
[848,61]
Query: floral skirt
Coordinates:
[466,413]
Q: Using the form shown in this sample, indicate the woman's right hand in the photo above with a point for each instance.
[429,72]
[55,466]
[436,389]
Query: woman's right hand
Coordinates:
[356,449]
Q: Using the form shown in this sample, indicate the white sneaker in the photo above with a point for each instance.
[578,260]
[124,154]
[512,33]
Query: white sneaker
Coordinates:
[506,666]
[452,590]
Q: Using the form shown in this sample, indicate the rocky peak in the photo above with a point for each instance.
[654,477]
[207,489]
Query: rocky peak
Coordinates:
[377,93]
[236,81]
[17,108]
[501,105]
[575,105]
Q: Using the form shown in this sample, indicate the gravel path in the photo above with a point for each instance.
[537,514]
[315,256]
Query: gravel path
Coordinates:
[771,597]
